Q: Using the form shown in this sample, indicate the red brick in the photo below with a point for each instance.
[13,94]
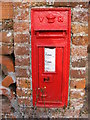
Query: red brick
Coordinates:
[80,84]
[78,51]
[77,94]
[76,102]
[19,5]
[70,113]
[78,73]
[24,102]
[77,28]
[24,50]
[80,40]
[70,4]
[79,63]
[6,49]
[7,93]
[22,38]
[7,81]
[21,14]
[6,107]
[79,16]
[8,62]
[22,72]
[7,24]
[6,37]
[7,10]
[25,93]
[22,61]
[21,26]
[23,83]
[42,3]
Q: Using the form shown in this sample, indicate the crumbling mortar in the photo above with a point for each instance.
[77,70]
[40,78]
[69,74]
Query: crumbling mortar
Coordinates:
[80,46]
[30,55]
[24,97]
[80,34]
[77,79]
[20,21]
[22,88]
[22,56]
[76,90]
[23,67]
[24,32]
[21,44]
[78,8]
[79,23]
[7,44]
[76,58]
[79,68]
[12,31]
[19,78]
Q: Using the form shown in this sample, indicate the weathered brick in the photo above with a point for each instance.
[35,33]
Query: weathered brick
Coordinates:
[80,16]
[22,50]
[70,4]
[38,3]
[74,94]
[79,63]
[76,102]
[24,101]
[78,28]
[21,72]
[22,61]
[23,83]
[25,93]
[70,113]
[7,10]
[7,24]
[6,49]
[57,3]
[21,14]
[7,93]
[20,5]
[6,107]
[80,84]
[8,62]
[80,40]
[6,37]
[78,51]
[21,26]
[7,81]
[78,73]
[22,38]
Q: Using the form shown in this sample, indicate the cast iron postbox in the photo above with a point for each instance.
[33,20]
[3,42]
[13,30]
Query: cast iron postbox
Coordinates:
[50,41]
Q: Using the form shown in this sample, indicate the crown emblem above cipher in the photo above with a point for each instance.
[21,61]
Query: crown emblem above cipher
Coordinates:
[51,18]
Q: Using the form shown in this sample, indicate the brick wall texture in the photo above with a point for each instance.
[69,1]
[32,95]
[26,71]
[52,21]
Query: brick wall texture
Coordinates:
[15,58]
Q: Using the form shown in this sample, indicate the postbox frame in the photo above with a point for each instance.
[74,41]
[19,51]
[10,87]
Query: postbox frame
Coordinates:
[35,44]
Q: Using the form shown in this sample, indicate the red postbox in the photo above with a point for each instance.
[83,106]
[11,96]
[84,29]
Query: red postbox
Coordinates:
[50,42]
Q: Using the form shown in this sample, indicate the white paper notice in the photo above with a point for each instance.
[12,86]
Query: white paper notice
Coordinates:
[49,59]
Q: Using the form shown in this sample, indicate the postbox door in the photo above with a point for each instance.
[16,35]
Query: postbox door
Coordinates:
[50,74]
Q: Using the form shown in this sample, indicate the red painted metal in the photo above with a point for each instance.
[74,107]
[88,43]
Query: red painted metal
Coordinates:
[50,28]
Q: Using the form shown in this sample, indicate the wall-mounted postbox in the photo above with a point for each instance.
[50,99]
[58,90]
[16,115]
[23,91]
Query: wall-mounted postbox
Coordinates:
[50,41]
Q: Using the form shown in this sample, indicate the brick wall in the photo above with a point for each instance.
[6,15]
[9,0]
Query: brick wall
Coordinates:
[22,51]
[7,76]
